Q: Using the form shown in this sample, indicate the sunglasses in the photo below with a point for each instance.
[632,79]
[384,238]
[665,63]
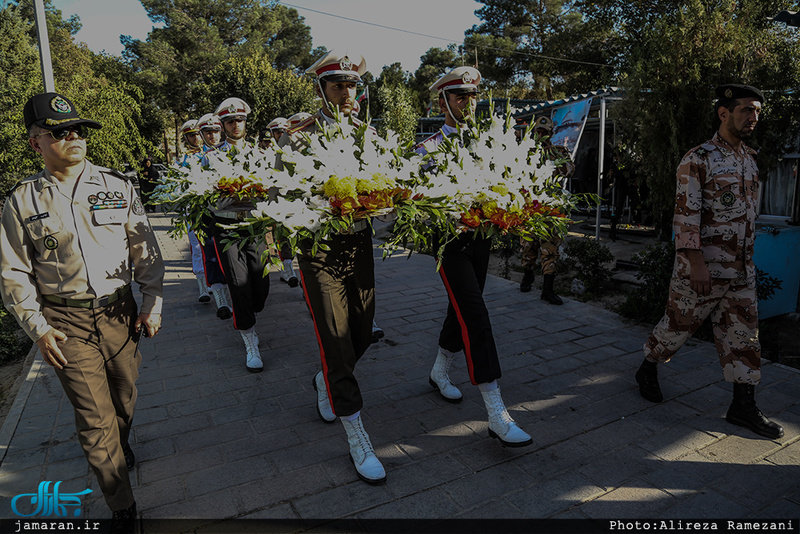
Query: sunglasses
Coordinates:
[62,133]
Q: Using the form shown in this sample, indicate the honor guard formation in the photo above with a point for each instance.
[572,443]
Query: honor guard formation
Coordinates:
[75,236]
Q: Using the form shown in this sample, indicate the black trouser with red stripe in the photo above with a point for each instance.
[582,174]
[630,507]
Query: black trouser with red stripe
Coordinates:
[465,263]
[247,284]
[339,286]
[211,265]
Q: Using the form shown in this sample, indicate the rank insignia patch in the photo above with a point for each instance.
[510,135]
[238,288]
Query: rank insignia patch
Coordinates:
[50,243]
[728,198]
[138,209]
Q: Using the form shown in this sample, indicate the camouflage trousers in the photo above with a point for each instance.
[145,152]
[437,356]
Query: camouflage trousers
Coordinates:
[547,249]
[733,307]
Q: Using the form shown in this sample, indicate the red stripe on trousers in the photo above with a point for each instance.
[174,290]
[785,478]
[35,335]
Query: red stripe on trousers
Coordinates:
[464,331]
[319,341]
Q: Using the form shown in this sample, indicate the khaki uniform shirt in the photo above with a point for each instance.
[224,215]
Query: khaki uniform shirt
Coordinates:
[79,241]
[716,208]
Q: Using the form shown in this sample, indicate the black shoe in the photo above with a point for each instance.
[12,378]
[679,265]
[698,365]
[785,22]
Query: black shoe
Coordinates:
[647,378]
[527,281]
[744,412]
[205,298]
[548,294]
[377,334]
[124,521]
[293,281]
[223,312]
[130,458]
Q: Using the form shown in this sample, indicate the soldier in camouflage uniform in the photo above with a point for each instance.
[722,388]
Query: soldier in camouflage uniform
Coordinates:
[714,274]
[547,249]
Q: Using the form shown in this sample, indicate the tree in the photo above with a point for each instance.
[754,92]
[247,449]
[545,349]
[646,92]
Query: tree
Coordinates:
[673,59]
[114,105]
[539,48]
[433,64]
[269,92]
[399,114]
[198,35]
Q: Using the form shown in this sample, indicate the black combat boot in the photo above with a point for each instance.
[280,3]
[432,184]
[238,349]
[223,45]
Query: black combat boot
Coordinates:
[527,281]
[744,412]
[124,521]
[548,293]
[647,378]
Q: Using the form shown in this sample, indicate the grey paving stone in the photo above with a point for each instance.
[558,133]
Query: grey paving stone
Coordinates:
[179,464]
[342,501]
[673,443]
[555,495]
[475,488]
[635,500]
[219,505]
[706,504]
[428,504]
[159,493]
[769,481]
[228,475]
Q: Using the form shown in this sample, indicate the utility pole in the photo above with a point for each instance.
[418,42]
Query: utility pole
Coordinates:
[44,47]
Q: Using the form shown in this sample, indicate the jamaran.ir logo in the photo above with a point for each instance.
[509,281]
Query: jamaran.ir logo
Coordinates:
[46,501]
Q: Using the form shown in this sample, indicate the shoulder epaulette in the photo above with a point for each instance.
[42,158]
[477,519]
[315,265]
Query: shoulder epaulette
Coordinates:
[115,172]
[29,179]
[303,125]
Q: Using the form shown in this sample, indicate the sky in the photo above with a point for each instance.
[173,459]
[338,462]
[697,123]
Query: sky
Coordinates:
[443,20]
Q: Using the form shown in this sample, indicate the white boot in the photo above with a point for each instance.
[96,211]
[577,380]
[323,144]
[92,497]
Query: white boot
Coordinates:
[204,297]
[501,426]
[324,409]
[288,275]
[377,332]
[440,379]
[223,309]
[368,466]
[254,363]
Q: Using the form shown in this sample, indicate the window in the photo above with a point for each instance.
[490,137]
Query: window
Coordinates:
[779,190]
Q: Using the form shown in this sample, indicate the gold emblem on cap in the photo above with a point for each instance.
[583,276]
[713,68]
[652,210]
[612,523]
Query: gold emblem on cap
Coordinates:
[232,109]
[466,77]
[345,63]
[60,105]
[728,93]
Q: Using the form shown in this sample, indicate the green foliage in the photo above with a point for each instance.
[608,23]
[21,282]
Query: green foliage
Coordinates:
[115,104]
[766,285]
[589,259]
[269,92]
[398,112]
[20,78]
[12,346]
[198,35]
[673,61]
[647,302]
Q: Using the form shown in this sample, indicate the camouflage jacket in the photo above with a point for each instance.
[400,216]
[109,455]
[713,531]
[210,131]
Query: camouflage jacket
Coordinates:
[715,208]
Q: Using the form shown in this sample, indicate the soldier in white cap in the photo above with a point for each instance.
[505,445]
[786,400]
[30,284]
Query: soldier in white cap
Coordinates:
[270,135]
[240,261]
[340,282]
[211,130]
[233,113]
[464,268]
[72,239]
[193,155]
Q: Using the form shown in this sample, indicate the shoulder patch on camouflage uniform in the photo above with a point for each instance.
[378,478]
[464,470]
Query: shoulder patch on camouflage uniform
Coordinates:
[701,152]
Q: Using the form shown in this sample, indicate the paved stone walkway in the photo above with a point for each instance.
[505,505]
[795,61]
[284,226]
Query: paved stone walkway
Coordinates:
[215,441]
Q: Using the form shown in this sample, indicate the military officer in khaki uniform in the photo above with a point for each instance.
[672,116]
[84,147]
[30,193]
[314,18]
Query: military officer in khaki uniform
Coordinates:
[72,239]
[339,282]
[714,274]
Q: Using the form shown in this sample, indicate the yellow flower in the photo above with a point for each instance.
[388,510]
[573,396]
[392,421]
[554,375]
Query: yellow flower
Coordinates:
[344,187]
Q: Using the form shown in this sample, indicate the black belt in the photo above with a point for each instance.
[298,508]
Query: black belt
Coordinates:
[89,304]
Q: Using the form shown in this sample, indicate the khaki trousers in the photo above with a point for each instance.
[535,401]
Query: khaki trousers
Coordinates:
[99,380]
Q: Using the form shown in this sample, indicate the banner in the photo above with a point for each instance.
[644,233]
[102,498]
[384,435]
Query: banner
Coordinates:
[569,122]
